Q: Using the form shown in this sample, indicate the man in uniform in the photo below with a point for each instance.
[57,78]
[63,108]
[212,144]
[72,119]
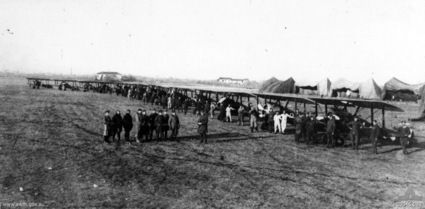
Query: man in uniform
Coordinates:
[241,111]
[117,126]
[144,126]
[152,127]
[355,132]
[174,124]
[203,127]
[405,133]
[330,130]
[253,114]
[270,120]
[138,125]
[310,129]
[165,127]
[158,125]
[107,127]
[374,136]
[298,127]
[127,123]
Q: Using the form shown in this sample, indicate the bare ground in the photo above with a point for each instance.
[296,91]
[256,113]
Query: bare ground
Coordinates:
[51,146]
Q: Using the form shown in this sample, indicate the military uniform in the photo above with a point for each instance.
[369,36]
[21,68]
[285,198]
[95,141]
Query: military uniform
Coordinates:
[310,130]
[374,135]
[330,131]
[158,126]
[174,124]
[298,128]
[253,114]
[128,125]
[404,137]
[203,127]
[355,134]
[165,126]
[152,127]
[107,128]
[116,127]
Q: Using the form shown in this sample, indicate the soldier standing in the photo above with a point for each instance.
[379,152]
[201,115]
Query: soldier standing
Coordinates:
[107,127]
[253,114]
[330,131]
[158,125]
[374,136]
[144,126]
[174,124]
[127,123]
[165,126]
[241,111]
[117,126]
[310,129]
[138,117]
[405,133]
[203,127]
[355,133]
[152,127]
[298,127]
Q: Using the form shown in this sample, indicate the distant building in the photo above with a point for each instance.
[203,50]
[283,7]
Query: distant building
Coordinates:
[108,76]
[232,80]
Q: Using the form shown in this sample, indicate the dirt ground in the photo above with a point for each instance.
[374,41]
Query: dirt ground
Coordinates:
[52,154]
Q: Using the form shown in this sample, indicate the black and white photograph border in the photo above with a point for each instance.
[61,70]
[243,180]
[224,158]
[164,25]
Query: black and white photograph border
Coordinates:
[212,104]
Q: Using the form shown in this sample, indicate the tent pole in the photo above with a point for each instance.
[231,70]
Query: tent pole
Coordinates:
[326,109]
[383,117]
[371,114]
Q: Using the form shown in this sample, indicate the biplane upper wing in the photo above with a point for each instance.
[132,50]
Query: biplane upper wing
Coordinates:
[364,103]
[288,97]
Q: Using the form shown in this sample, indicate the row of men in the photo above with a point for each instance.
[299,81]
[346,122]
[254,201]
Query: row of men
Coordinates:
[147,126]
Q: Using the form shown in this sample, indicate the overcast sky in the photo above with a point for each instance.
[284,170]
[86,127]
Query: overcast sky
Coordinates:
[205,39]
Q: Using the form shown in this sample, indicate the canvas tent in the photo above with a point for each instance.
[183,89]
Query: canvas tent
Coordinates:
[395,89]
[370,90]
[324,88]
[321,88]
[306,87]
[267,83]
[287,86]
[421,105]
[345,88]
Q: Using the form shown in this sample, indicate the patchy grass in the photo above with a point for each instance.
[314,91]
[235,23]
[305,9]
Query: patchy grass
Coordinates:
[51,146]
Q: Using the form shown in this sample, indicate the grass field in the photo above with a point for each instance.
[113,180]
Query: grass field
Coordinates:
[52,153]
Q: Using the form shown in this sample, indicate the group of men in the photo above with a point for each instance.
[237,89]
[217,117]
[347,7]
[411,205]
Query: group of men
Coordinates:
[155,125]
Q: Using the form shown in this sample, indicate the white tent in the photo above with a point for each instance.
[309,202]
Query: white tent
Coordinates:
[324,88]
[370,90]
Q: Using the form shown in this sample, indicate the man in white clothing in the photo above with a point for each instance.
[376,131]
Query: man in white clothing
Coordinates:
[284,119]
[277,123]
[229,113]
